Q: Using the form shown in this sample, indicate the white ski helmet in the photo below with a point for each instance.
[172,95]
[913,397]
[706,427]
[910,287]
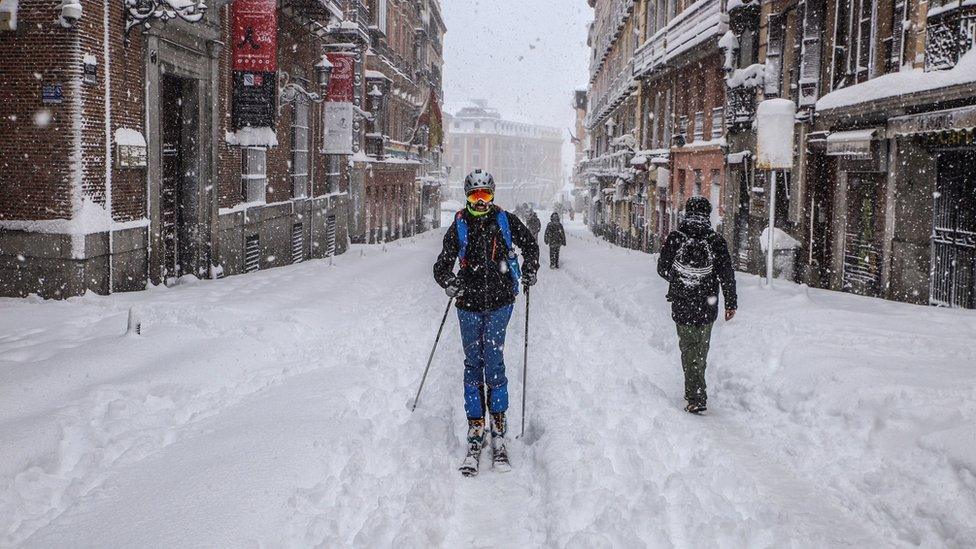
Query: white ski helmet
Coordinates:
[478,179]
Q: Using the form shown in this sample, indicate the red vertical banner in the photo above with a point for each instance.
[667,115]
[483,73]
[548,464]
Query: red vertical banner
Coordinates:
[255,36]
[342,81]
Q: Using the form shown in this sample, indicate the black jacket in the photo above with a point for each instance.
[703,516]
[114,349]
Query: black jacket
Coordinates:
[534,224]
[698,306]
[485,282]
[555,234]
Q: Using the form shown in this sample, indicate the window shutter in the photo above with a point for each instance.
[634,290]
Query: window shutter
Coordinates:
[810,55]
[774,57]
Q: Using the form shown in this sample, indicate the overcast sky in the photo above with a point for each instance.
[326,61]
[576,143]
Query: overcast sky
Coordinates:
[524,56]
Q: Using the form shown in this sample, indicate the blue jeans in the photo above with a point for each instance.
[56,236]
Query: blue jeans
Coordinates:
[483,336]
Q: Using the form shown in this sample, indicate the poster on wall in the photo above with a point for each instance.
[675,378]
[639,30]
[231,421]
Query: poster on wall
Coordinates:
[338,106]
[254,62]
[338,128]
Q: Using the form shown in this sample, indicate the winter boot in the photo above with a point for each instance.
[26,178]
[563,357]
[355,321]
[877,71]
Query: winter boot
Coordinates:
[499,453]
[476,441]
[695,407]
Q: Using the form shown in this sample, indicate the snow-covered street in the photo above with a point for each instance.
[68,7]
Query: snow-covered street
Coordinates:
[272,410]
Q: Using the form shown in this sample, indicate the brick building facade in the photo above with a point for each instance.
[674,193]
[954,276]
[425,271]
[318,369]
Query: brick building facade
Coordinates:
[126,163]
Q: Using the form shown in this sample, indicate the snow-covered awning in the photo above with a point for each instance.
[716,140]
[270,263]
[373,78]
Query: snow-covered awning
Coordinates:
[851,143]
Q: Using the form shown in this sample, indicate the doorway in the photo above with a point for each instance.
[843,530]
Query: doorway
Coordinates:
[954,232]
[179,189]
[865,226]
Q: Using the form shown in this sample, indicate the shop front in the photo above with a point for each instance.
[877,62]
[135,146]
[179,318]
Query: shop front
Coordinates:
[943,143]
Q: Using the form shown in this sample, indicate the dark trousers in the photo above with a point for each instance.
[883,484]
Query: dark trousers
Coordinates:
[483,336]
[694,342]
[554,257]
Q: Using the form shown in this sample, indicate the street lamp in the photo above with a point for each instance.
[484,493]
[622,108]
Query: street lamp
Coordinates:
[289,91]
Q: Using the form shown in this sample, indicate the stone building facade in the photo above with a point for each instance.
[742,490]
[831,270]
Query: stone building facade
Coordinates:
[525,159]
[879,201]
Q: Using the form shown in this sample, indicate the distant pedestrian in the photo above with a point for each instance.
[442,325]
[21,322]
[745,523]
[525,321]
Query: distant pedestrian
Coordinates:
[695,261]
[555,238]
[534,224]
[481,240]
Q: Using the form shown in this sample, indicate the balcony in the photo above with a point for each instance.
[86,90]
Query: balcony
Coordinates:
[692,27]
[376,145]
[950,34]
[617,92]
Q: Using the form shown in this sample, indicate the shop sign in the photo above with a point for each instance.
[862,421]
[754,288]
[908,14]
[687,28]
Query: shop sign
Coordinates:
[954,119]
[255,36]
[52,93]
[343,79]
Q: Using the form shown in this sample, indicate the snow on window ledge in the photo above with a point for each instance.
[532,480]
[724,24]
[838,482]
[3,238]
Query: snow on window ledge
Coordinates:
[252,136]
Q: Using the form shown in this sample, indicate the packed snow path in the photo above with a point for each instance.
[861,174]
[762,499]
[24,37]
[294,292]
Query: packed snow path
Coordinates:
[271,409]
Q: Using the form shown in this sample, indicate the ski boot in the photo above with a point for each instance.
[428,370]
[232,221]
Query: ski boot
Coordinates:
[476,441]
[499,454]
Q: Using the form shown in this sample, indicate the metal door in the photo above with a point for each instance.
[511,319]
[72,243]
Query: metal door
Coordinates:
[865,226]
[954,232]
[180,173]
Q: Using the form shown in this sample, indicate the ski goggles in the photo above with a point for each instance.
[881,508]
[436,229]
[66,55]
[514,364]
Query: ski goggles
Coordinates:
[480,195]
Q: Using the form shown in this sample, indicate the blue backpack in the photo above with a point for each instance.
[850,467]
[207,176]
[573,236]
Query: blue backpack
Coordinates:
[512,258]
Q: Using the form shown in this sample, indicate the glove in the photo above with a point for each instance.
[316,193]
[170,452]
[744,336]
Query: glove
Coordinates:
[453,289]
[529,278]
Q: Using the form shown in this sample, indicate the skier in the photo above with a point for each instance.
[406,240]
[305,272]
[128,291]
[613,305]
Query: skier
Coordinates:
[695,261]
[533,223]
[482,239]
[555,237]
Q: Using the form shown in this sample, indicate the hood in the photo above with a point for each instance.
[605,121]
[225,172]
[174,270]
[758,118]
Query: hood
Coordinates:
[696,225]
[554,218]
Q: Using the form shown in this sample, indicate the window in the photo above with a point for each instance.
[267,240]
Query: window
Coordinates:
[715,196]
[697,191]
[853,43]
[299,148]
[254,174]
[699,126]
[774,55]
[333,171]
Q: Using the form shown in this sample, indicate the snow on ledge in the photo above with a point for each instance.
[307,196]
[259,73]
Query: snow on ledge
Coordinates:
[252,136]
[901,83]
[91,218]
[129,137]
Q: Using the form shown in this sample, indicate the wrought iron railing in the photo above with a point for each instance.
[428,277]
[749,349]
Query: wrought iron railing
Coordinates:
[949,36]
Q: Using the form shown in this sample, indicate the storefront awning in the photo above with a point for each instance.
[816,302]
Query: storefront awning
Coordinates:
[856,143]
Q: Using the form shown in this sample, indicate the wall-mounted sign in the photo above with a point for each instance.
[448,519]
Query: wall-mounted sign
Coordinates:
[52,93]
[254,99]
[255,62]
[255,36]
[130,148]
[342,82]
[338,128]
[90,75]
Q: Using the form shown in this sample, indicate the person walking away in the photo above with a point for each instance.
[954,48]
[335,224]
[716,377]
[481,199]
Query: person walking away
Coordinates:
[555,238]
[482,238]
[534,224]
[695,261]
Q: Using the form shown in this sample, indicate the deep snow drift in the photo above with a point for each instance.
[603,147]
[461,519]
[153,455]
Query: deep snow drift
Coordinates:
[271,409]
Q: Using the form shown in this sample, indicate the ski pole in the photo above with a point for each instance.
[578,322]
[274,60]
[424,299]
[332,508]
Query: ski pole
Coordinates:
[431,358]
[525,359]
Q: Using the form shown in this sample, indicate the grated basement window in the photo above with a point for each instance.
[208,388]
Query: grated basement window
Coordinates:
[330,235]
[252,254]
[297,243]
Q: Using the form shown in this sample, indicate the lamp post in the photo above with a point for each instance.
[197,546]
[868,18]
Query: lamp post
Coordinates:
[290,91]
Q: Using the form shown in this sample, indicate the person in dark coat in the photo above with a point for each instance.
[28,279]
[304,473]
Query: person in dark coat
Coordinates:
[555,238]
[695,261]
[485,288]
[534,224]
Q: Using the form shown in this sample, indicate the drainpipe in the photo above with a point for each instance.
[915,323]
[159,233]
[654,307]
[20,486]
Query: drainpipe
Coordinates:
[107,60]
